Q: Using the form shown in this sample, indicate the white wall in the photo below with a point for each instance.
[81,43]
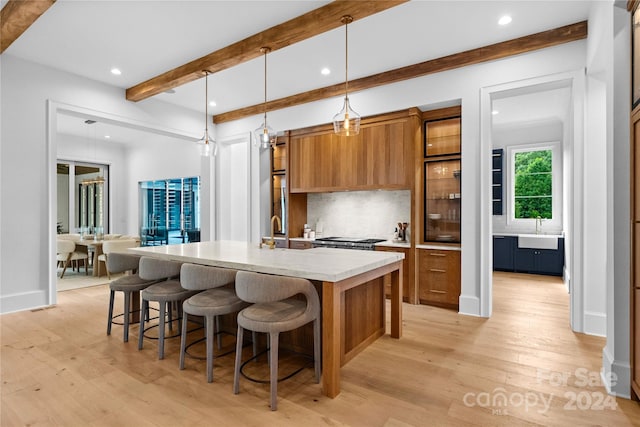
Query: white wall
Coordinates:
[615,361]
[26,234]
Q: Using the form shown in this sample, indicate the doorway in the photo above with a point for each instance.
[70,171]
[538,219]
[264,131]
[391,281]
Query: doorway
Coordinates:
[83,197]
[568,132]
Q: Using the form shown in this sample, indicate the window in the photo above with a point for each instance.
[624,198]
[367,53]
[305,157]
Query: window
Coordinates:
[170,211]
[533,191]
[535,186]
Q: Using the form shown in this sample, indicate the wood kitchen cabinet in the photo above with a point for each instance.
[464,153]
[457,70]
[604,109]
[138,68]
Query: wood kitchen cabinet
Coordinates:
[408,274]
[439,277]
[379,157]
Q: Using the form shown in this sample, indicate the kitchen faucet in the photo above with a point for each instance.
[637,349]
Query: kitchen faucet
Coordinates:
[538,224]
[272,242]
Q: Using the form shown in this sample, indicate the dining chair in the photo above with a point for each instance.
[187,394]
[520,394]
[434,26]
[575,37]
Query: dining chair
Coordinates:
[217,297]
[114,245]
[274,311]
[167,292]
[127,284]
[66,253]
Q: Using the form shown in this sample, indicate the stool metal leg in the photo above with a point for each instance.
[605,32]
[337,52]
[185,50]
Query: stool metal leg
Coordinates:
[236,372]
[183,341]
[127,311]
[145,306]
[316,348]
[110,319]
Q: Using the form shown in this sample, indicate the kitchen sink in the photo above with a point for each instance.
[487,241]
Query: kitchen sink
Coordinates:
[538,241]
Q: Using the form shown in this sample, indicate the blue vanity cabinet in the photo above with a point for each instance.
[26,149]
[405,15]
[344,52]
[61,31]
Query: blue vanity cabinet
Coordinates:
[503,252]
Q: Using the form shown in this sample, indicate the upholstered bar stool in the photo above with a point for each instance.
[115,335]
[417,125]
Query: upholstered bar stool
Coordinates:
[274,311]
[128,284]
[165,293]
[215,299]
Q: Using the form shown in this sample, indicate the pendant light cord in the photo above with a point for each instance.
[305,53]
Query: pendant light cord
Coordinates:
[206,106]
[265,50]
[347,19]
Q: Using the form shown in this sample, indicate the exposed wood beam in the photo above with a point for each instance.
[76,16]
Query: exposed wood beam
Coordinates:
[293,31]
[492,52]
[18,15]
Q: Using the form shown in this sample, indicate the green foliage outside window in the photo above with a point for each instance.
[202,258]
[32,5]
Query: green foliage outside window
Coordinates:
[533,184]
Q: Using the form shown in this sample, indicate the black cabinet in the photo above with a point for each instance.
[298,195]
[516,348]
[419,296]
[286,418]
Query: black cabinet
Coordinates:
[507,256]
[540,261]
[503,252]
[496,185]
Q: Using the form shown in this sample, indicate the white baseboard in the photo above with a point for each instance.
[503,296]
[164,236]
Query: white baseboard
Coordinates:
[595,323]
[469,305]
[23,301]
[616,376]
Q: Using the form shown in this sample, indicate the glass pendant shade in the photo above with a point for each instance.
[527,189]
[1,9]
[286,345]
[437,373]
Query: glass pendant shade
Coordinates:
[208,146]
[265,136]
[347,121]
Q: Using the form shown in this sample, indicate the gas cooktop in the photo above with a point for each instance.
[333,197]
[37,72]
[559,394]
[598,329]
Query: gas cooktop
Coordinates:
[349,240]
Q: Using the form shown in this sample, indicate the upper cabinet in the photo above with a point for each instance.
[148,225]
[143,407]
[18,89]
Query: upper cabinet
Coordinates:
[441,177]
[442,137]
[379,157]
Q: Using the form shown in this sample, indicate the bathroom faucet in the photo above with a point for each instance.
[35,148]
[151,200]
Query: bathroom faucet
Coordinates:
[538,224]
[272,242]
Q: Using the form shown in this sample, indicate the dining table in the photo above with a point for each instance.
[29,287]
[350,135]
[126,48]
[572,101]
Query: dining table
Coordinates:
[350,284]
[96,248]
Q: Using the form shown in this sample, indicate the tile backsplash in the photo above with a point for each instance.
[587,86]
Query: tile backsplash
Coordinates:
[372,214]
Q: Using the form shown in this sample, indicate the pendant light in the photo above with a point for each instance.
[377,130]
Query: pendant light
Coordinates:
[265,136]
[347,121]
[207,145]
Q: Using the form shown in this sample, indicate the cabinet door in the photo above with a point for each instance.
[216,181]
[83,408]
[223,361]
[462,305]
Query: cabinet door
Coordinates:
[524,260]
[442,137]
[442,201]
[439,277]
[549,262]
[503,247]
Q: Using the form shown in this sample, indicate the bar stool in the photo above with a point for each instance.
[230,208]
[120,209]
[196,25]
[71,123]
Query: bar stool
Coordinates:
[165,293]
[274,311]
[119,263]
[215,299]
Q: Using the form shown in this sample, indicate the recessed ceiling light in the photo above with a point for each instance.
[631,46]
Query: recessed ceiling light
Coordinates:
[116,71]
[169,91]
[495,112]
[212,103]
[107,136]
[325,71]
[506,19]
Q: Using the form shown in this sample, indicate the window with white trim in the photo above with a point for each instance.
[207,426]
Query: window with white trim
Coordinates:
[535,188]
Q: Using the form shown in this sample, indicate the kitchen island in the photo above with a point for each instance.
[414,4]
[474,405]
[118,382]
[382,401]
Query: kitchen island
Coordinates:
[350,283]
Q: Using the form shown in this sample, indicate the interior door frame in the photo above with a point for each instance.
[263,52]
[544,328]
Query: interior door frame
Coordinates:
[53,108]
[574,182]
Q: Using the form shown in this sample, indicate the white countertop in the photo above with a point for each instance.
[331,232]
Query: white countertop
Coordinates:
[324,264]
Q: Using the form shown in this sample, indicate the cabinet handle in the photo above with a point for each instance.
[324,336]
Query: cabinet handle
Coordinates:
[433,254]
[437,292]
[437,270]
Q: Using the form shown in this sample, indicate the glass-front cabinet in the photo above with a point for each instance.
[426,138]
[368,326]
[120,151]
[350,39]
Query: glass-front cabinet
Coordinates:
[442,200]
[442,172]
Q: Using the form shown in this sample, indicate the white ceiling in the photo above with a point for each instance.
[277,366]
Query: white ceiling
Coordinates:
[147,37]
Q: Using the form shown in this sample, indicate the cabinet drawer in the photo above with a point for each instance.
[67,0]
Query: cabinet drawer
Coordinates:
[439,277]
[297,244]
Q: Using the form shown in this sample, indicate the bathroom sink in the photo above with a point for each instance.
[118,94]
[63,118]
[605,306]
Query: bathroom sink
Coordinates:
[538,241]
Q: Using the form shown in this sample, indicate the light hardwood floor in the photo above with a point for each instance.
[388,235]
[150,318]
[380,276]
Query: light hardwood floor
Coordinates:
[59,367]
